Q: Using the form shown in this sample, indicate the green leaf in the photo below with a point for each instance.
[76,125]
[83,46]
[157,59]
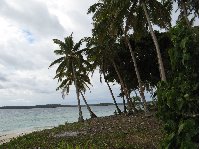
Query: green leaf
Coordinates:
[188,145]
[57,61]
[181,128]
[183,42]
[169,100]
[168,140]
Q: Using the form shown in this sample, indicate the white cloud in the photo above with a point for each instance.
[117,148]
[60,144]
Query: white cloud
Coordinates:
[26,49]
[32,15]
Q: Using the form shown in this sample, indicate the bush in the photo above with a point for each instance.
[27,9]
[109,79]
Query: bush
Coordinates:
[178,98]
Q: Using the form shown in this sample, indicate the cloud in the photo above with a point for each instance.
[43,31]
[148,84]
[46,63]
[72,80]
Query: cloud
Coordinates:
[28,35]
[81,22]
[3,79]
[1,86]
[26,50]
[32,15]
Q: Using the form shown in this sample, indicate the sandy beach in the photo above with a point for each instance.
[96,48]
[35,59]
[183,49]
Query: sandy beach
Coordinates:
[7,137]
[116,131]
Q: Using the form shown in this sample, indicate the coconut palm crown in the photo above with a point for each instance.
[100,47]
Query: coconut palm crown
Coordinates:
[71,68]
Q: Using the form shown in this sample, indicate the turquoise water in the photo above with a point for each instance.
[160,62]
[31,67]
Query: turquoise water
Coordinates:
[24,120]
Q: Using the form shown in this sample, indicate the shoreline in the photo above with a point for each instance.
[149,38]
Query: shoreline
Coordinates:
[128,131]
[7,137]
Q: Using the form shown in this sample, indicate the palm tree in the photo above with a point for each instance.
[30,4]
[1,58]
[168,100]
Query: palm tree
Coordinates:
[186,8]
[155,40]
[109,30]
[141,87]
[100,53]
[122,83]
[113,97]
[115,13]
[83,82]
[131,12]
[124,104]
[92,115]
[69,63]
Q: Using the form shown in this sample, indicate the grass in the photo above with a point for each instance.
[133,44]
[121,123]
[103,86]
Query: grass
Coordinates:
[112,132]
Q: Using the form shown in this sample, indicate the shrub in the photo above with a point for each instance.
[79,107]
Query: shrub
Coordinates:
[178,98]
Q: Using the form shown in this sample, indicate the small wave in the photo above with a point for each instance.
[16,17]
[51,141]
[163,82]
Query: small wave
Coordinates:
[42,128]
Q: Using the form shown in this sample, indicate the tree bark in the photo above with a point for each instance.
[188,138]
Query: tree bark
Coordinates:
[185,13]
[130,101]
[118,110]
[123,85]
[88,107]
[160,62]
[80,119]
[137,74]
[124,103]
[137,96]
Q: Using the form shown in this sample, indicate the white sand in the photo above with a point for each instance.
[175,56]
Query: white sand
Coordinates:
[7,137]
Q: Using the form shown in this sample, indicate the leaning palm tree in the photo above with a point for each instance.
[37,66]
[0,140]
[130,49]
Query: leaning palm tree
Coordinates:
[92,115]
[138,15]
[110,30]
[95,56]
[99,51]
[189,7]
[69,64]
[111,92]
[83,82]
[102,58]
[160,8]
[114,14]
[114,26]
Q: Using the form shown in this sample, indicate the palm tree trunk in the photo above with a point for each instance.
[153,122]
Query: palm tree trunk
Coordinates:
[124,103]
[137,96]
[80,119]
[130,101]
[185,13]
[88,107]
[123,85]
[118,110]
[137,74]
[160,62]
[135,93]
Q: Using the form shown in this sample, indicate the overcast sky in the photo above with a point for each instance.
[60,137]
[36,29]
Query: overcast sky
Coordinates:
[26,50]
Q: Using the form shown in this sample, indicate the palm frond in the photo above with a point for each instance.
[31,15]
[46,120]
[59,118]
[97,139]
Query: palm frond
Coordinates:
[59,52]
[94,7]
[77,45]
[61,67]
[57,61]
[69,43]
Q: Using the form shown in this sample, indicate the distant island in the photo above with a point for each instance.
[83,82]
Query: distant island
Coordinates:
[52,106]
[59,105]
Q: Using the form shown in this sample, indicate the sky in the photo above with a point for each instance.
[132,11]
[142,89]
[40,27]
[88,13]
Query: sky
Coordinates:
[26,51]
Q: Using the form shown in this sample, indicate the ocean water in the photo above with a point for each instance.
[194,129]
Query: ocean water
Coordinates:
[25,120]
